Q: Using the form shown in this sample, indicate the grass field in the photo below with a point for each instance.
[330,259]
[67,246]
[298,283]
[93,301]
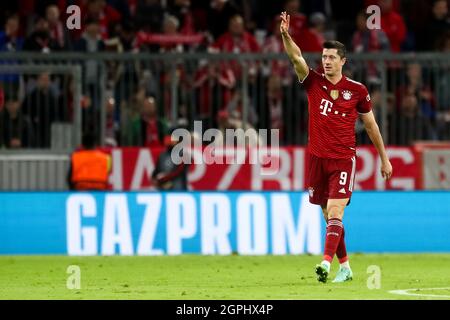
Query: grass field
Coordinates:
[219,277]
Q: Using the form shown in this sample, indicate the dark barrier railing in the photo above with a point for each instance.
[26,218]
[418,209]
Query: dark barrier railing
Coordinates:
[119,93]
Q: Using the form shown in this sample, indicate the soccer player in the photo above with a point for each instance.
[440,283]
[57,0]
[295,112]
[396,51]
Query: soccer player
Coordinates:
[334,103]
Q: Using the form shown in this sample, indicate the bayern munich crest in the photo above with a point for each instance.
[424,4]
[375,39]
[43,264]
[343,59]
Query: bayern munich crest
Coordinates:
[347,95]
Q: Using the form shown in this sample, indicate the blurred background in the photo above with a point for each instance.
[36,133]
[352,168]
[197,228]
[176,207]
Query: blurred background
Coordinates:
[137,69]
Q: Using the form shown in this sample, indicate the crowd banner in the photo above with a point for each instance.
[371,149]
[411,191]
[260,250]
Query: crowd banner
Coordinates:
[132,169]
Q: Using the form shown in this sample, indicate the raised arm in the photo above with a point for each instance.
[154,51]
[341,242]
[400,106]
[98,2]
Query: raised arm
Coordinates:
[293,51]
[374,134]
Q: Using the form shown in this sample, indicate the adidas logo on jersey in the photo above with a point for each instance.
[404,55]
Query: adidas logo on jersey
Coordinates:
[342,191]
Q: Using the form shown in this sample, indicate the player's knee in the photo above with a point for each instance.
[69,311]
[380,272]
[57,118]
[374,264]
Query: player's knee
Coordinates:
[335,211]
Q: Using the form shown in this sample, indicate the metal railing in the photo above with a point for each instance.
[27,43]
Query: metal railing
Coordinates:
[30,170]
[37,113]
[410,92]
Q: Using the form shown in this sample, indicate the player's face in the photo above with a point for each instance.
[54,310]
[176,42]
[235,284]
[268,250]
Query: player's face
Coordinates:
[332,62]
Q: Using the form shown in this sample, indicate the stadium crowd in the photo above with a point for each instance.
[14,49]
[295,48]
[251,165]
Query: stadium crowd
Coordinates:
[140,115]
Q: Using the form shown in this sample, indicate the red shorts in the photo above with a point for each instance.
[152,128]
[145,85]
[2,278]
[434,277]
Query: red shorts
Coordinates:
[330,179]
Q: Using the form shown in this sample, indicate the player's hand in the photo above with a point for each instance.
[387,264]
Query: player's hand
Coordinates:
[284,25]
[386,169]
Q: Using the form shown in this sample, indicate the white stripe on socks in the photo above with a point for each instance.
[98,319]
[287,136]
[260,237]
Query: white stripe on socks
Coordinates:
[345,264]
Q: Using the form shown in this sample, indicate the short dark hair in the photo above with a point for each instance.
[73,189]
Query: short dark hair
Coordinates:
[434,2]
[88,140]
[363,13]
[91,20]
[13,16]
[334,44]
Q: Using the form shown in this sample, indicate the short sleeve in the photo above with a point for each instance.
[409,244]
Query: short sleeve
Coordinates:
[364,103]
[311,78]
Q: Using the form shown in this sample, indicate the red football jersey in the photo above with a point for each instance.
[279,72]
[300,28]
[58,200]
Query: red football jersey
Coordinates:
[333,111]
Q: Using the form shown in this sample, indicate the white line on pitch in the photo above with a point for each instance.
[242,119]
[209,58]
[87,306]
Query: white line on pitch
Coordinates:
[406,292]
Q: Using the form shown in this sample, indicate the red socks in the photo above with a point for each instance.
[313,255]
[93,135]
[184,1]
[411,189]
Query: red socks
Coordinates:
[341,251]
[335,230]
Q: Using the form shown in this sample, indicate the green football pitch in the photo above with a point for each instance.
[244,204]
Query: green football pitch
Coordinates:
[424,276]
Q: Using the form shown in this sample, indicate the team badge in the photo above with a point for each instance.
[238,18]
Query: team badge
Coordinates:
[311,191]
[347,95]
[334,94]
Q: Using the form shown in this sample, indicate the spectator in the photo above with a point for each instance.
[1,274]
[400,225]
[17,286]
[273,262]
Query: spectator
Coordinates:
[130,110]
[112,127]
[236,107]
[58,31]
[437,28]
[393,25]
[149,15]
[417,14]
[41,105]
[421,90]
[2,98]
[105,14]
[15,127]
[8,8]
[89,168]
[148,129]
[123,7]
[40,39]
[199,10]
[213,84]
[263,13]
[312,38]
[343,16]
[168,175]
[10,40]
[252,137]
[237,40]
[274,44]
[377,108]
[183,116]
[219,15]
[40,6]
[170,28]
[224,122]
[443,115]
[127,72]
[298,20]
[275,105]
[249,137]
[411,125]
[181,10]
[369,41]
[310,6]
[91,41]
[395,4]
[127,35]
